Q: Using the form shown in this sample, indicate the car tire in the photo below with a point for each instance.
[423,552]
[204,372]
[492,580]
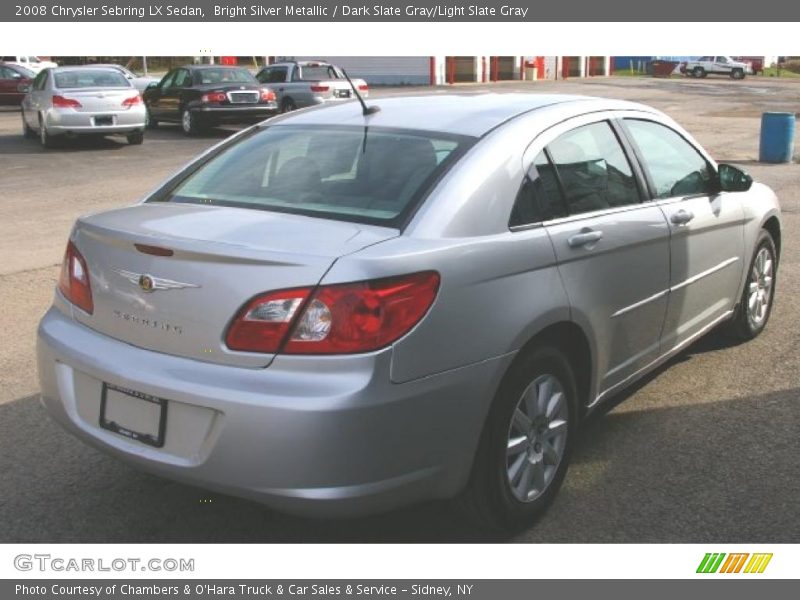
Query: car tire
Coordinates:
[45,138]
[288,105]
[737,74]
[136,138]
[26,129]
[149,121]
[522,458]
[189,123]
[755,305]
[698,72]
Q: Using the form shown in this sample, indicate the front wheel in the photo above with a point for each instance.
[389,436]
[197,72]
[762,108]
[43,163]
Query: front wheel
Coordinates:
[149,121]
[755,305]
[737,74]
[526,443]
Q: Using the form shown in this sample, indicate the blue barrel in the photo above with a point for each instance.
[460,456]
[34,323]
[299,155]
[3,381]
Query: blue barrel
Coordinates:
[777,137]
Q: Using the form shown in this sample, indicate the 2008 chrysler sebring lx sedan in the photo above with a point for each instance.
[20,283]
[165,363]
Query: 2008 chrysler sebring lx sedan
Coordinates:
[336,312]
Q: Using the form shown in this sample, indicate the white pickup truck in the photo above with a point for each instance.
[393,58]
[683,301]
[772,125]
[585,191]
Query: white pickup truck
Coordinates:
[717,65]
[308,83]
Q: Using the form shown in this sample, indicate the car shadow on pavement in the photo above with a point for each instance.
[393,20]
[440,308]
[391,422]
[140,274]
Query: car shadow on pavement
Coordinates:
[721,471]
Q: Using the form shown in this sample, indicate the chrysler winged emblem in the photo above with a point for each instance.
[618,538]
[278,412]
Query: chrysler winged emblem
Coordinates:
[148,283]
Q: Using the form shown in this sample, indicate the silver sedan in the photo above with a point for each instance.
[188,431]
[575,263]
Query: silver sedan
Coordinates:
[73,101]
[350,309]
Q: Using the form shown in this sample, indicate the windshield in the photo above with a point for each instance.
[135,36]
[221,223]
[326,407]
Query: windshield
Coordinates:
[223,75]
[89,78]
[369,175]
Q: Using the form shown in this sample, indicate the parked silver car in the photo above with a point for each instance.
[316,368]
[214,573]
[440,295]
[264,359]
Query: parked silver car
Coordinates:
[300,84]
[336,312]
[71,101]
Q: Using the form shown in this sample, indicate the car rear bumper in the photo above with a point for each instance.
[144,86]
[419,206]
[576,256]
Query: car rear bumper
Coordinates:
[322,436]
[70,122]
[236,114]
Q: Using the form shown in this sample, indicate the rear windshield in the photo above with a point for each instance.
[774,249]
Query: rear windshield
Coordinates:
[318,73]
[205,76]
[368,175]
[89,78]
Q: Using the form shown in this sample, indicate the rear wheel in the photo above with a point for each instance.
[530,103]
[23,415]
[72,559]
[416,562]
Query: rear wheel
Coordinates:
[526,442]
[45,138]
[288,105]
[26,129]
[698,72]
[136,138]
[755,305]
[189,123]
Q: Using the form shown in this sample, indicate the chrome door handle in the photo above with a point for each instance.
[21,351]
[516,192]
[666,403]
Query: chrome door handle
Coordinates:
[586,236]
[682,217]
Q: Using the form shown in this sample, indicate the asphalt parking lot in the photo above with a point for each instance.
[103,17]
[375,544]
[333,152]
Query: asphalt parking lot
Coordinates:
[704,450]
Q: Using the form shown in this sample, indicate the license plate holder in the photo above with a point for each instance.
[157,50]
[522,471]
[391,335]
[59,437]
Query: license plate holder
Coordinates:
[133,414]
[342,93]
[103,121]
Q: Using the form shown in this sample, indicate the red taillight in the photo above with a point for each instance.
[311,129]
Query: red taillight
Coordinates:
[74,280]
[320,88]
[267,95]
[62,102]
[262,324]
[334,319]
[213,97]
[363,87]
[132,101]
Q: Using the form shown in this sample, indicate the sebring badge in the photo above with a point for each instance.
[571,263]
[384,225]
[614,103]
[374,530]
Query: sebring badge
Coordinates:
[148,283]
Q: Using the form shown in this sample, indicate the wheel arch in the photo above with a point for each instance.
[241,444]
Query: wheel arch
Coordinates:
[773,226]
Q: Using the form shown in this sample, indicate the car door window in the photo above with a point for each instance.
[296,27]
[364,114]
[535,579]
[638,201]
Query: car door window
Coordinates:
[167,81]
[182,79]
[5,73]
[539,198]
[593,170]
[275,75]
[674,166]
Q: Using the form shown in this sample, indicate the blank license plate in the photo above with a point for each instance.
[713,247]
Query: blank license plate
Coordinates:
[103,121]
[135,415]
[342,93]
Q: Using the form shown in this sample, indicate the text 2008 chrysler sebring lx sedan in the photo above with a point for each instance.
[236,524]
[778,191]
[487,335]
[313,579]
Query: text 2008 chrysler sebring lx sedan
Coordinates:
[337,313]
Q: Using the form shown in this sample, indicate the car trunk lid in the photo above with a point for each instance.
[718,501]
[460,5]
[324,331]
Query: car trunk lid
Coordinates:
[97,100]
[170,277]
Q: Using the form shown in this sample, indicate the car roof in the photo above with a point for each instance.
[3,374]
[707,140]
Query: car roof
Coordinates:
[461,114]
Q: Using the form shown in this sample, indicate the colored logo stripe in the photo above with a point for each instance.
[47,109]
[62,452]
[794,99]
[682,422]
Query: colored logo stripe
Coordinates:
[733,564]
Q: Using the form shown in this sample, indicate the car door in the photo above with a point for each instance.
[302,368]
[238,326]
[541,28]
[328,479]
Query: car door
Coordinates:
[8,85]
[707,230]
[33,101]
[155,96]
[612,247]
[722,65]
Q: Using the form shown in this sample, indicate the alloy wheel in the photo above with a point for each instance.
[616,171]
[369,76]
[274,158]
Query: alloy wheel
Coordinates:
[537,438]
[759,291]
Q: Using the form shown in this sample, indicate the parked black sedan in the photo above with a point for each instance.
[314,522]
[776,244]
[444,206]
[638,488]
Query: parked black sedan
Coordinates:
[199,96]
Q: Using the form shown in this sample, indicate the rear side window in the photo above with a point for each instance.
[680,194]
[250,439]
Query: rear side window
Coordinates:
[675,167]
[593,170]
[373,175]
[539,198]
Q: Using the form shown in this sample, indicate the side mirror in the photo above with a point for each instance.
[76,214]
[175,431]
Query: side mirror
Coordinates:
[152,85]
[732,179]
